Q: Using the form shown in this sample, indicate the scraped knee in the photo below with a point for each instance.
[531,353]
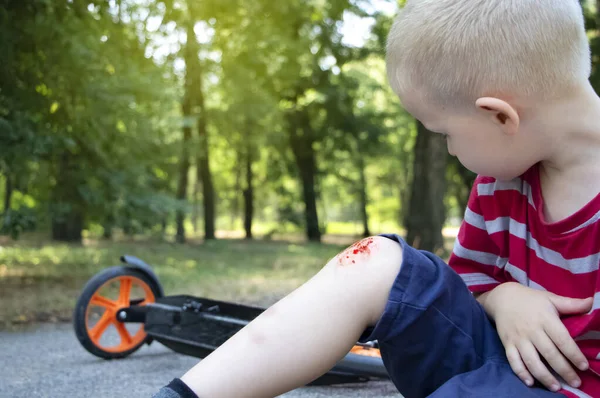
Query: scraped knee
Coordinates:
[373,260]
[367,270]
[375,252]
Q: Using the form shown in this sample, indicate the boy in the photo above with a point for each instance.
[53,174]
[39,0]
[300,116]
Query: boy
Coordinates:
[507,83]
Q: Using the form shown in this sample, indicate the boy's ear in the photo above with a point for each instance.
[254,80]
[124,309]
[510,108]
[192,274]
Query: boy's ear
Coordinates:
[500,113]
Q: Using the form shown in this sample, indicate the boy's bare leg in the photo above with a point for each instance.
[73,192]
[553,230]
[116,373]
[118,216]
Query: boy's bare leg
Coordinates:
[306,333]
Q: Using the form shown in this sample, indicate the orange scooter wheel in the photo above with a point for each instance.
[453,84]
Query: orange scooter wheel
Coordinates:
[95,317]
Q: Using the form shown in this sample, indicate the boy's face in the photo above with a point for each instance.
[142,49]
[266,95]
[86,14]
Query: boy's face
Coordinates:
[473,137]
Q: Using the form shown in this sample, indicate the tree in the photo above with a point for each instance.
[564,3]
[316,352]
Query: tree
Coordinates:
[297,74]
[362,118]
[190,96]
[426,212]
[280,122]
[186,15]
[75,83]
[203,159]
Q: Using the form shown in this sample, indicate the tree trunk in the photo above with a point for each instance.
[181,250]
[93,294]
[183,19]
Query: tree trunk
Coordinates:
[235,206]
[68,228]
[426,213]
[363,196]
[203,159]
[107,227]
[186,107]
[67,216]
[208,190]
[107,233]
[183,182]
[301,140]
[467,178]
[128,225]
[8,191]
[248,191]
[120,5]
[307,174]
[109,222]
[195,207]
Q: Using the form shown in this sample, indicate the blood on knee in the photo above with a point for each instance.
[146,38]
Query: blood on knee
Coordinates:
[357,251]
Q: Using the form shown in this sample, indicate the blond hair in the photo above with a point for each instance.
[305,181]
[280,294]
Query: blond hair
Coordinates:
[458,50]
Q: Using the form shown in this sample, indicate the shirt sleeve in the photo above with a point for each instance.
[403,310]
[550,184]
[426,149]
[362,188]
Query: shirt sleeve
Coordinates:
[475,256]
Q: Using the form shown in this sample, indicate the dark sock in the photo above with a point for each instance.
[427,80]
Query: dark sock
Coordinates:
[175,389]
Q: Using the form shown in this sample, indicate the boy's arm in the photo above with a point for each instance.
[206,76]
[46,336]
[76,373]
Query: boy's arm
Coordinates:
[529,325]
[475,254]
[527,320]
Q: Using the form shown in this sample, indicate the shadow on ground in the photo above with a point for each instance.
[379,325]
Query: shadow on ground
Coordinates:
[47,361]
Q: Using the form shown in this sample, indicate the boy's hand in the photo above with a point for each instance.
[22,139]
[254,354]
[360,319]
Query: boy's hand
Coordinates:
[528,323]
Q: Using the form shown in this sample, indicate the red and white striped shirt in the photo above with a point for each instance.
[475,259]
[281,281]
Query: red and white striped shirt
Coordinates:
[504,237]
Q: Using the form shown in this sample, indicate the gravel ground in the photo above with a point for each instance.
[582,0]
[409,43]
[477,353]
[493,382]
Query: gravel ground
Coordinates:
[47,361]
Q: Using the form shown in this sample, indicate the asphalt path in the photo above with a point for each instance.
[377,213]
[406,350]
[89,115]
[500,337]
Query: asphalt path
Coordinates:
[47,361]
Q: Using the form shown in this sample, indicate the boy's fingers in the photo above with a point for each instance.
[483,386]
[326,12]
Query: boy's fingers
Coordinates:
[555,359]
[535,366]
[565,343]
[567,305]
[517,365]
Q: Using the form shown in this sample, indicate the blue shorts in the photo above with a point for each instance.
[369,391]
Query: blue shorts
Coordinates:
[436,340]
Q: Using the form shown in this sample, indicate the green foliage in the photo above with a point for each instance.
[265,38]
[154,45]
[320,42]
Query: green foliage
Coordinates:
[38,280]
[15,222]
[81,109]
[90,113]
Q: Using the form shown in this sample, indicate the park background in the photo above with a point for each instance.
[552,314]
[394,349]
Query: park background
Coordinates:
[236,146]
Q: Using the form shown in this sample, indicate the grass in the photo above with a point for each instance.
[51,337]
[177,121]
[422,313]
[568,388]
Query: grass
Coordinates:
[41,282]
